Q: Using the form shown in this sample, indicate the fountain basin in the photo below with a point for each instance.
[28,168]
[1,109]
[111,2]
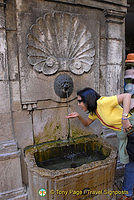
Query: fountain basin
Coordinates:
[92,168]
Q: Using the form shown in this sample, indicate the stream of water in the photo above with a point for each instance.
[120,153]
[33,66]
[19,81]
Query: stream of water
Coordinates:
[68,112]
[67,156]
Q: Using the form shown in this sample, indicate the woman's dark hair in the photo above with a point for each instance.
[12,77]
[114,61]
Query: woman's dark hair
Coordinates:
[89,98]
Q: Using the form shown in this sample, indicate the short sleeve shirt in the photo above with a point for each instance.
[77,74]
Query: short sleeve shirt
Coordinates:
[109,111]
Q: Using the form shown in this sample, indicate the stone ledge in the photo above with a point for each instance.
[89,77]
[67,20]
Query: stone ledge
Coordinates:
[21,197]
[9,150]
[92,3]
[8,146]
[18,194]
[12,155]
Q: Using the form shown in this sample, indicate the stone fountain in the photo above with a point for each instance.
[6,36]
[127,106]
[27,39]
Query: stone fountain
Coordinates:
[70,168]
[52,166]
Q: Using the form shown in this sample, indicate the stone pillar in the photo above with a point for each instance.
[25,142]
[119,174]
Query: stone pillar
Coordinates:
[10,169]
[115,51]
[115,54]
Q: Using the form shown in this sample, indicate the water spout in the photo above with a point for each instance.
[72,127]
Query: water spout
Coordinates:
[63,87]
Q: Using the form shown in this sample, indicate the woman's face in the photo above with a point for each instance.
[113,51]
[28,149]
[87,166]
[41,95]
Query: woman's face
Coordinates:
[81,104]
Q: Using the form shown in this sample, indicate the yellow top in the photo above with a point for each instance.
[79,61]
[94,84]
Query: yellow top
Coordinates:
[109,112]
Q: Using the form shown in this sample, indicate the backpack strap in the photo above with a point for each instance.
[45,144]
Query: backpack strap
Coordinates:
[113,127]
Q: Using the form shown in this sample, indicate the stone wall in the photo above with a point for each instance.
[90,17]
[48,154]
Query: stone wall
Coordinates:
[38,41]
[10,167]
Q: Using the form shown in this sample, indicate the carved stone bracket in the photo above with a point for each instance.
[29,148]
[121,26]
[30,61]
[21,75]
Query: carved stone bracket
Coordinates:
[60,42]
[114,16]
[29,106]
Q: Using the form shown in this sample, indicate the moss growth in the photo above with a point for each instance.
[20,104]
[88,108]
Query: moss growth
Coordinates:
[77,132]
[84,143]
[49,133]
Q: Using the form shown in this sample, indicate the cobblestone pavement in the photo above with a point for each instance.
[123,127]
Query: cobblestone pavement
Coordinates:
[119,176]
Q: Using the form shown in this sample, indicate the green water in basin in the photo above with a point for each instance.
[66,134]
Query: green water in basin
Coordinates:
[69,156]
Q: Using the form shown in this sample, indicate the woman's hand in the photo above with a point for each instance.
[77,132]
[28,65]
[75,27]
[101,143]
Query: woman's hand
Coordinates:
[126,125]
[72,115]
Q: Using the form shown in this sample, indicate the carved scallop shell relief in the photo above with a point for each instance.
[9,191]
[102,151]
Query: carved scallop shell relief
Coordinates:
[59,42]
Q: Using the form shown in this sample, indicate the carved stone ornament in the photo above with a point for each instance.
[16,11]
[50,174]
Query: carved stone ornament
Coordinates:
[59,42]
[63,85]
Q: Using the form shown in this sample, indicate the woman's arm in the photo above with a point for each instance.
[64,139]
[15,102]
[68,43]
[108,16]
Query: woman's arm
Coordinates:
[85,122]
[125,100]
